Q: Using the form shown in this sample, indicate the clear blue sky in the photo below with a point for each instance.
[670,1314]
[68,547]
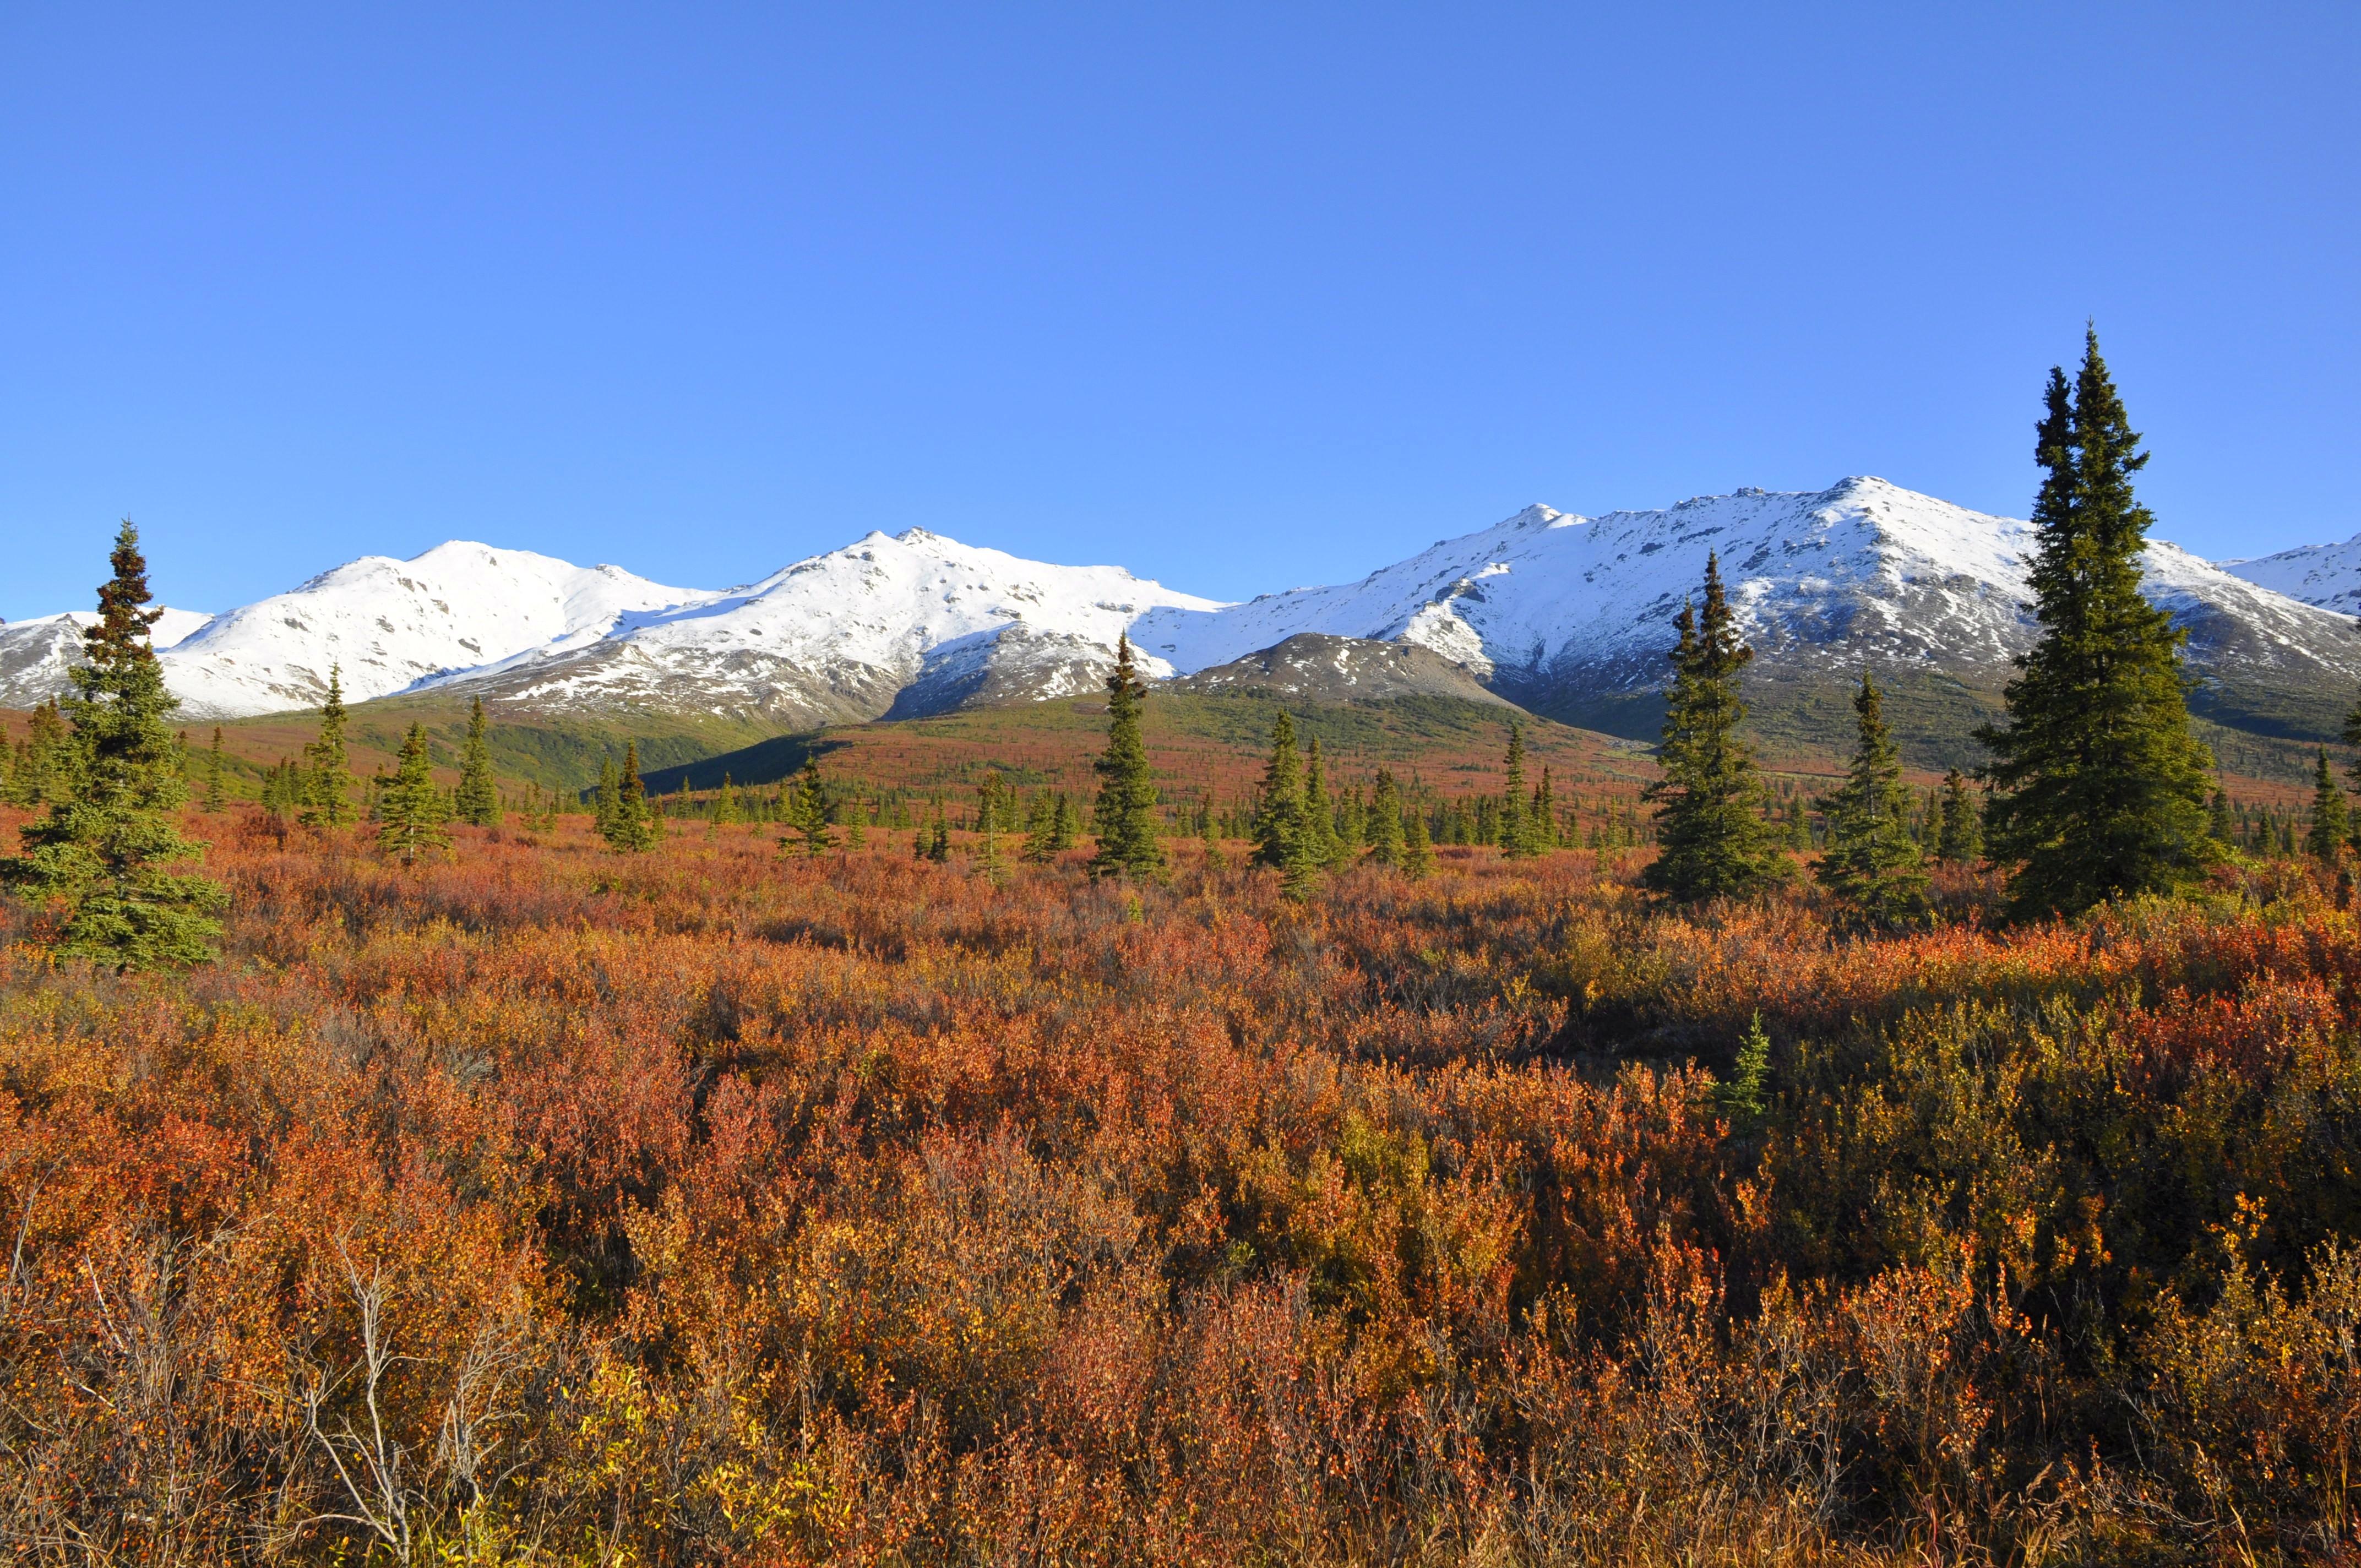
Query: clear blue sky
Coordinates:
[1240,296]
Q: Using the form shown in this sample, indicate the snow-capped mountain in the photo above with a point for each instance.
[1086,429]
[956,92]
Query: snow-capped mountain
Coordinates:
[2326,575]
[1571,616]
[35,654]
[891,625]
[388,625]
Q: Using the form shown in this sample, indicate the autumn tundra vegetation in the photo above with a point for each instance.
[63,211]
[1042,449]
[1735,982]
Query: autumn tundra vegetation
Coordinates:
[400,1173]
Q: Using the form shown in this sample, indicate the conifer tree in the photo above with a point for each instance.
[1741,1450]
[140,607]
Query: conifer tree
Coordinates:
[213,780]
[1352,828]
[1283,838]
[1319,817]
[1514,830]
[1872,861]
[105,848]
[477,800]
[1126,813]
[328,786]
[938,838]
[1418,847]
[1068,823]
[1544,818]
[2330,824]
[1960,826]
[1385,821]
[2099,786]
[855,820]
[409,812]
[2220,823]
[44,772]
[1279,809]
[807,813]
[608,800]
[725,804]
[624,819]
[2352,737]
[1713,839]
[1041,828]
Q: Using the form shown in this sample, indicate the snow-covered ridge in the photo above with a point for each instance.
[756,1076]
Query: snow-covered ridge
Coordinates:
[390,625]
[1547,608]
[2326,575]
[1864,571]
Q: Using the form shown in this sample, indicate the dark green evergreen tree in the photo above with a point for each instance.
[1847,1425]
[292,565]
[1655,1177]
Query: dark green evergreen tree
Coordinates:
[1041,828]
[1067,820]
[1713,839]
[2220,822]
[606,800]
[1418,847]
[40,765]
[1319,816]
[2330,824]
[1129,843]
[1514,826]
[2098,787]
[1279,810]
[1872,861]
[214,781]
[105,850]
[1959,823]
[409,808]
[2352,737]
[477,800]
[1284,836]
[938,838]
[625,820]
[1352,828]
[328,786]
[807,813]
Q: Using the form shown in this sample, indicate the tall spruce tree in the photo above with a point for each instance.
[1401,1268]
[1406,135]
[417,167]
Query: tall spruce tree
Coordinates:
[1418,846]
[2329,823]
[479,796]
[1319,808]
[807,813]
[1128,842]
[328,786]
[1284,835]
[1514,827]
[1279,809]
[409,807]
[105,850]
[1713,840]
[214,774]
[606,799]
[1041,828]
[2352,737]
[626,821]
[1959,828]
[2098,787]
[1872,861]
